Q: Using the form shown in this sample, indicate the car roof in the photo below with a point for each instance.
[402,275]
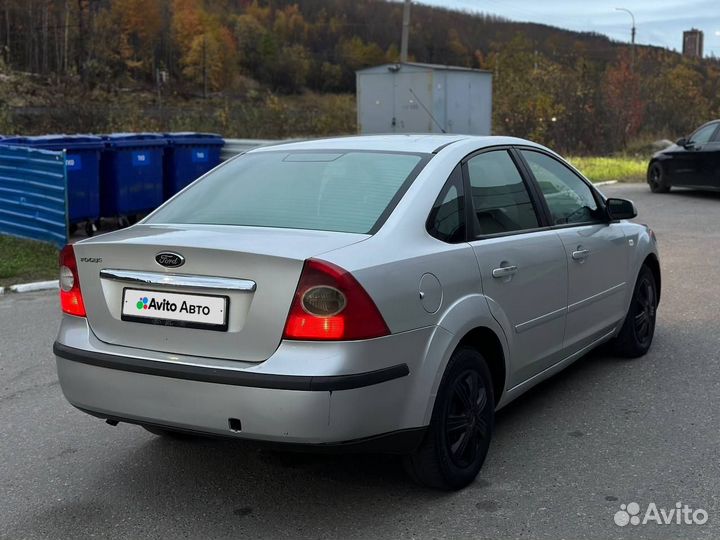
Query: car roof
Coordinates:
[422,143]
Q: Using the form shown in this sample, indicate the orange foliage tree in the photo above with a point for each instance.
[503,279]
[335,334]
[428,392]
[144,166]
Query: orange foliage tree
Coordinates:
[624,106]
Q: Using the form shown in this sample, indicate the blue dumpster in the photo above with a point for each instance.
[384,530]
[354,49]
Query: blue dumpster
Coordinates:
[188,156]
[82,160]
[131,174]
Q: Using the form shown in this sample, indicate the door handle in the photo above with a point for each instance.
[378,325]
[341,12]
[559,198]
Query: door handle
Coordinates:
[504,271]
[580,254]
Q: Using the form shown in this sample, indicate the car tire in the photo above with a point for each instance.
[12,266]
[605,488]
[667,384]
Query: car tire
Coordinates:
[637,332]
[458,438]
[657,178]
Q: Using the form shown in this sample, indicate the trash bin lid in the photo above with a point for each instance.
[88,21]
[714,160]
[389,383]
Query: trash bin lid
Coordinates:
[15,140]
[58,142]
[134,140]
[194,138]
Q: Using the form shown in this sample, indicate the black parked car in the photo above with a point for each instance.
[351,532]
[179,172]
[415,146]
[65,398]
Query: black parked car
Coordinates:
[692,162]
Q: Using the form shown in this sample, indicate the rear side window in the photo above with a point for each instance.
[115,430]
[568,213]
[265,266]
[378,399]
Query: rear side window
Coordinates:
[501,202]
[568,197]
[447,218]
[344,191]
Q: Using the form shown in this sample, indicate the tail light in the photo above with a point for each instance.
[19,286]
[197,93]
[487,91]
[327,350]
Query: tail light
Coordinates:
[329,304]
[71,299]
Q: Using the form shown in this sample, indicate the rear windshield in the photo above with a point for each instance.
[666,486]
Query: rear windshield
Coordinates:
[345,191]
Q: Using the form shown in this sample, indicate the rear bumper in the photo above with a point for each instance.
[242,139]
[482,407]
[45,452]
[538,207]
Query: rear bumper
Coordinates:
[335,406]
[403,441]
[207,374]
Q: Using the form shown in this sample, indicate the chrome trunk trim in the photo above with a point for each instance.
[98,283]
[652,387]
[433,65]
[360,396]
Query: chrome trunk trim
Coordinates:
[179,280]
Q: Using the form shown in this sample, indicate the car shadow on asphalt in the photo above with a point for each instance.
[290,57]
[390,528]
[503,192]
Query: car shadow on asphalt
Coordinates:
[692,193]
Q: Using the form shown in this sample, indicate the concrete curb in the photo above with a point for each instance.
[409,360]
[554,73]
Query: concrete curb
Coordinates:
[32,287]
[607,183]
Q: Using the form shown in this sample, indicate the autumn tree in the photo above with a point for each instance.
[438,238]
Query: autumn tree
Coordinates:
[623,105]
[524,103]
[354,54]
[139,25]
[208,53]
[250,34]
[676,103]
[577,88]
[575,92]
[271,46]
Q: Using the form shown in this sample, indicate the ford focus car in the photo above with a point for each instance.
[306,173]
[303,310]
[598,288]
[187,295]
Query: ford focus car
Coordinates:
[380,293]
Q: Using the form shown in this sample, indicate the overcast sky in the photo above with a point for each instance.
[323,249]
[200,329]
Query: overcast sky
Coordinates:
[658,22]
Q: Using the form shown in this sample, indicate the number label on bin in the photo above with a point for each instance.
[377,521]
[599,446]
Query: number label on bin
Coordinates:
[140,159]
[73,162]
[200,155]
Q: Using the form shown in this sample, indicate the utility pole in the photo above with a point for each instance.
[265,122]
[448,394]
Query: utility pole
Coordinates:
[632,36]
[405,32]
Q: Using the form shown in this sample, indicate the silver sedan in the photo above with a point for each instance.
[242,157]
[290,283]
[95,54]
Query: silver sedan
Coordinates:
[382,293]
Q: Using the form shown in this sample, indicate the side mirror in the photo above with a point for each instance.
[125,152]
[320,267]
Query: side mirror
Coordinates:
[682,141]
[620,209]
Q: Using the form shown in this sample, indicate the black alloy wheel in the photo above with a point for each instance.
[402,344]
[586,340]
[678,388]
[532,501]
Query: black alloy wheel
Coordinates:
[656,179]
[458,437]
[466,425]
[638,330]
[646,303]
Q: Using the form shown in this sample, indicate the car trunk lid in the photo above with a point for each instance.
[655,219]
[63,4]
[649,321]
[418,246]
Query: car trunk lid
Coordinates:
[255,269]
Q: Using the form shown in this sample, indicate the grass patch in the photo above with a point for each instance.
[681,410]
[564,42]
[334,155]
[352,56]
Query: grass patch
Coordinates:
[603,169]
[23,261]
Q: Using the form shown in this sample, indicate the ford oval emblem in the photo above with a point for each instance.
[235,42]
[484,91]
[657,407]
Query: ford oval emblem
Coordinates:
[169,259]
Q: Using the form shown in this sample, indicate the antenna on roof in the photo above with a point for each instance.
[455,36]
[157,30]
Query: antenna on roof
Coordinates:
[427,110]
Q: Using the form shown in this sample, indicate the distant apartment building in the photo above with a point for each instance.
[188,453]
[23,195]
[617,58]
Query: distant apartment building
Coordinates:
[693,43]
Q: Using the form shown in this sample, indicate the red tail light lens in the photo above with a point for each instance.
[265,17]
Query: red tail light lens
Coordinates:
[330,304]
[71,299]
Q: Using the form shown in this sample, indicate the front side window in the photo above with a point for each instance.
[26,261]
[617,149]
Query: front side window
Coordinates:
[568,197]
[703,135]
[500,199]
[447,217]
[344,191]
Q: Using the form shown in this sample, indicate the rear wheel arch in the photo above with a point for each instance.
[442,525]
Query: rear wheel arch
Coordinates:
[654,161]
[488,344]
[651,261]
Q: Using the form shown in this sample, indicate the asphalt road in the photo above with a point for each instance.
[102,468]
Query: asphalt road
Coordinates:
[564,458]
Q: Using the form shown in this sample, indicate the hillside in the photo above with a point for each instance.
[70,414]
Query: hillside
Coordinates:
[286,68]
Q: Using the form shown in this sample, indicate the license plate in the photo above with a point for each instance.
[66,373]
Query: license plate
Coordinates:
[175,309]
